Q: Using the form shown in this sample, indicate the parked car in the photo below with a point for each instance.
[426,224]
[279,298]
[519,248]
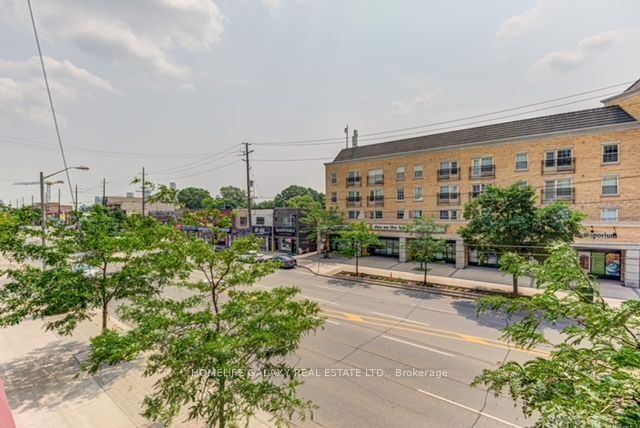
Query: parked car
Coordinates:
[86,270]
[252,257]
[286,262]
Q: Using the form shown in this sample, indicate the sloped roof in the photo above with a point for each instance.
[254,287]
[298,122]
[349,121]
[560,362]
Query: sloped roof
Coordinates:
[562,122]
[635,86]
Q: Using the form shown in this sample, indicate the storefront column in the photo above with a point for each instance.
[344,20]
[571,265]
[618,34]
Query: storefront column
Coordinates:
[632,268]
[461,254]
[402,250]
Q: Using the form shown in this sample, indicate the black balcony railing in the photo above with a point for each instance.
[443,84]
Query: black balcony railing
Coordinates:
[482,171]
[448,174]
[354,202]
[375,180]
[567,194]
[448,198]
[553,166]
[354,181]
[375,201]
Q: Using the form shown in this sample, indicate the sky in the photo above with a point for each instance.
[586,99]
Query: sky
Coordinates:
[175,86]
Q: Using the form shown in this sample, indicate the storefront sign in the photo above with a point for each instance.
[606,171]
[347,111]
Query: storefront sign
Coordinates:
[600,235]
[440,228]
[285,231]
[262,230]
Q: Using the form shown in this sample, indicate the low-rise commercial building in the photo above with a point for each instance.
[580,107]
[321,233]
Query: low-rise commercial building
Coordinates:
[587,158]
[290,234]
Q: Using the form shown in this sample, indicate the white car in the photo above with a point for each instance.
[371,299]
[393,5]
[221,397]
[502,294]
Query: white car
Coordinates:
[252,257]
[86,270]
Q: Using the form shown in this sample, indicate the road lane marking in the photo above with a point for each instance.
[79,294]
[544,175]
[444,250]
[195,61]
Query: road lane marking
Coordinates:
[328,302]
[469,408]
[401,319]
[426,348]
[430,331]
[332,322]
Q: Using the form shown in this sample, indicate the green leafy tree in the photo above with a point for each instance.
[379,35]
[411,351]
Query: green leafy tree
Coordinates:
[507,220]
[193,198]
[355,239]
[592,376]
[322,221]
[268,204]
[282,199]
[423,246]
[231,197]
[106,259]
[222,361]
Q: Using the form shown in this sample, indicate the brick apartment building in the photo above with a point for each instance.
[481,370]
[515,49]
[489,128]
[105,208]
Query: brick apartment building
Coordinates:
[588,158]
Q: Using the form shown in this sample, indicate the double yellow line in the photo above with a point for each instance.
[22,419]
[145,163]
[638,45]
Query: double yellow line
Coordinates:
[407,325]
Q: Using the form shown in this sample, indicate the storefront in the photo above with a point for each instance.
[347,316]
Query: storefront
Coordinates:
[285,237]
[449,254]
[389,247]
[602,263]
[265,233]
[483,258]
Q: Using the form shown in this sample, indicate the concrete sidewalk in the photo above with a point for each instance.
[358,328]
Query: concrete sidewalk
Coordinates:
[475,278]
[40,371]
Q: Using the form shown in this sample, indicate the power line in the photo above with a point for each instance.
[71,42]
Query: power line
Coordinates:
[339,140]
[53,110]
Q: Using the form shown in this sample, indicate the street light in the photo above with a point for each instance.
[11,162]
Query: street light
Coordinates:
[43,205]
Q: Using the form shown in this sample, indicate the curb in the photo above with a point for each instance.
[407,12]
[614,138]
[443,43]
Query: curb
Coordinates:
[433,290]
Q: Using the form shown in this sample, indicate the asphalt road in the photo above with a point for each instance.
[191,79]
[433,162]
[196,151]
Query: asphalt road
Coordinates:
[396,358]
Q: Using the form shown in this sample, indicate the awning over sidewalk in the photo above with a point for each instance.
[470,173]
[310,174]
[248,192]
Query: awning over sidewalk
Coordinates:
[6,419]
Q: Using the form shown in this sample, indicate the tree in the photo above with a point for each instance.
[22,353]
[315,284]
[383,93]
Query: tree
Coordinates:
[231,197]
[507,220]
[193,198]
[356,238]
[592,377]
[424,247]
[282,198]
[222,361]
[267,204]
[323,222]
[107,259]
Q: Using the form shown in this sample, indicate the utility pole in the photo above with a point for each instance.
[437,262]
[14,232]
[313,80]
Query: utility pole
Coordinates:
[144,186]
[59,210]
[346,133]
[76,204]
[246,160]
[104,192]
[43,219]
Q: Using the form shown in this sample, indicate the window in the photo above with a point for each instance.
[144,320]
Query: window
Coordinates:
[243,221]
[353,178]
[260,221]
[289,220]
[523,184]
[522,161]
[476,189]
[483,167]
[561,189]
[400,194]
[400,174]
[334,197]
[375,214]
[334,178]
[609,214]
[610,153]
[401,214]
[353,199]
[417,213]
[448,170]
[376,197]
[448,194]
[354,214]
[376,176]
[418,171]
[559,160]
[417,194]
[609,185]
[448,214]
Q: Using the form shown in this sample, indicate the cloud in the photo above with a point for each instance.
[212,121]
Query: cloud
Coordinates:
[587,48]
[405,108]
[516,25]
[22,90]
[146,32]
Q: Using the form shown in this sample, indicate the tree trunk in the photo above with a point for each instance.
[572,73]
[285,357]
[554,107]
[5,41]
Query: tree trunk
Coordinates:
[515,285]
[319,243]
[105,314]
[357,274]
[221,417]
[424,282]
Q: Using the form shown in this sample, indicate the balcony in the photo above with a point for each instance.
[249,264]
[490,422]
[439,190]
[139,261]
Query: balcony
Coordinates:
[354,202]
[375,180]
[354,181]
[448,174]
[483,171]
[567,194]
[561,165]
[375,201]
[448,198]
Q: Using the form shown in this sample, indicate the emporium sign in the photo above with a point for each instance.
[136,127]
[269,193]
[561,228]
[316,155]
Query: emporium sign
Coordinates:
[600,235]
